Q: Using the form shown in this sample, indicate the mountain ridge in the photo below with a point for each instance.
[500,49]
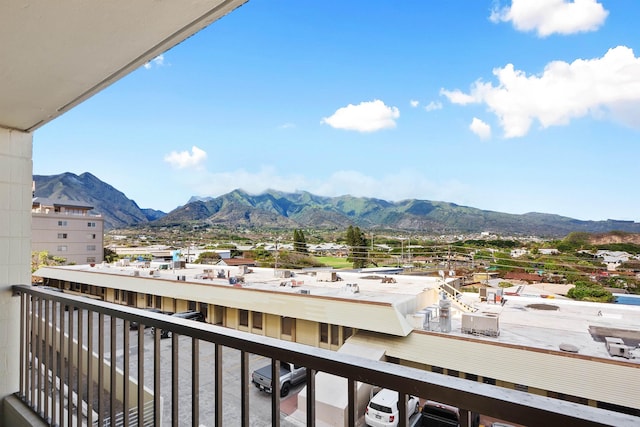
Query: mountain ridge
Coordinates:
[275,209]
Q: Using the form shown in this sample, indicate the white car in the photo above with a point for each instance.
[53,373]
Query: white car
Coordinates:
[383,409]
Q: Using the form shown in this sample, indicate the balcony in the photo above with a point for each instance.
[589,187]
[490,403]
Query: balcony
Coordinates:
[66,384]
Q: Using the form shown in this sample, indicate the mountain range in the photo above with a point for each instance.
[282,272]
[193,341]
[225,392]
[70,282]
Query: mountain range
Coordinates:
[279,210]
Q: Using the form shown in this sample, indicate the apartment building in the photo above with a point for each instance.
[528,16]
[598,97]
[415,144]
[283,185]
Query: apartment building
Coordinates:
[526,350]
[68,230]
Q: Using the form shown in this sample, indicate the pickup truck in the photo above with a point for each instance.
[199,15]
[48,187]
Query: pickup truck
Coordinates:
[290,375]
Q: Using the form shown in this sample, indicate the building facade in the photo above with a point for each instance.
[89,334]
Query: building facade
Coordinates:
[68,230]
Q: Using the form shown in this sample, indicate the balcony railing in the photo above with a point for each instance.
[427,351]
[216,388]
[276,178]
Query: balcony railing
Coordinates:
[69,374]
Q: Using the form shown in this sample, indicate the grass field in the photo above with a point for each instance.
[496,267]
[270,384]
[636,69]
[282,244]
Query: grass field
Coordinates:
[334,262]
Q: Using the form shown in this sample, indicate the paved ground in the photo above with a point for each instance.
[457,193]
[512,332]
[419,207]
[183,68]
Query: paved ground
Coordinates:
[260,402]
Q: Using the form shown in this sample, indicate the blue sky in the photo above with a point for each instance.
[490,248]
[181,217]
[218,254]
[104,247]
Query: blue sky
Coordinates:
[511,106]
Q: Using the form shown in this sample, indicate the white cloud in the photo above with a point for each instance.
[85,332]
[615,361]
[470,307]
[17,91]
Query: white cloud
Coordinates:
[480,128]
[547,17]
[184,159]
[365,117]
[414,103]
[157,61]
[601,87]
[433,105]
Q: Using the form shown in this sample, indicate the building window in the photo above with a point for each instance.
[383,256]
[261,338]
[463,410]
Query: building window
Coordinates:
[91,236]
[91,259]
[62,223]
[346,333]
[437,369]
[62,248]
[116,294]
[149,300]
[287,325]
[335,335]
[91,224]
[256,318]
[324,333]
[62,235]
[471,377]
[244,318]
[158,301]
[520,387]
[91,247]
[488,380]
[453,373]
[191,305]
[204,309]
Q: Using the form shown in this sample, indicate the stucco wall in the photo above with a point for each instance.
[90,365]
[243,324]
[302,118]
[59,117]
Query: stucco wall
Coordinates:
[15,247]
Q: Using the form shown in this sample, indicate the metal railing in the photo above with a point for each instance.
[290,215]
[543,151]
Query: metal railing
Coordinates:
[68,374]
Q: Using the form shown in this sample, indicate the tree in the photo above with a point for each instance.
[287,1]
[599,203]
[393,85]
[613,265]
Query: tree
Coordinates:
[43,258]
[358,247]
[299,242]
[110,255]
[208,257]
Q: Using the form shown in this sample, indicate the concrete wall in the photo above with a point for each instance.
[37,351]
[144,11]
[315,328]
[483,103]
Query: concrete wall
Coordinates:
[15,248]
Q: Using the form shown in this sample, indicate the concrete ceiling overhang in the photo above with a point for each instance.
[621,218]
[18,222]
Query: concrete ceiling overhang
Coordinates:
[56,54]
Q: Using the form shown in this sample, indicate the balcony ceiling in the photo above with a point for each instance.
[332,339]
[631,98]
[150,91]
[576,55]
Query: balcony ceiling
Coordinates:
[56,54]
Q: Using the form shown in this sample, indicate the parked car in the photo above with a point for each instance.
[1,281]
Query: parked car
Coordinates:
[436,414]
[383,409]
[192,315]
[134,325]
[290,375]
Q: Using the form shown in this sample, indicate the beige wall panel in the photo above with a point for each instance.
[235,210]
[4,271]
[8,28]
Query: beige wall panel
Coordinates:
[382,317]
[271,325]
[233,318]
[307,332]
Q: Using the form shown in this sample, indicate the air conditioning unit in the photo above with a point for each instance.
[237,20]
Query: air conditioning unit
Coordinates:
[616,347]
[305,291]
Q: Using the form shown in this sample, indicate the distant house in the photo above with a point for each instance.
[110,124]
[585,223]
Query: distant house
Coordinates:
[527,277]
[516,253]
[613,259]
[236,262]
[548,251]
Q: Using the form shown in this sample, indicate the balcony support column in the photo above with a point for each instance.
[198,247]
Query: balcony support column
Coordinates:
[16,174]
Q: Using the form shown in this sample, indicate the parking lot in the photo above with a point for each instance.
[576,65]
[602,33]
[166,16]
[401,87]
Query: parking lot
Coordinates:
[259,402]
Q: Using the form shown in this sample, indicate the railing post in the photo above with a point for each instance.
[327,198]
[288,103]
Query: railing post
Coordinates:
[195,382]
[90,382]
[218,385]
[352,401]
[311,397]
[32,359]
[70,366]
[156,378]
[275,392]
[55,310]
[175,421]
[101,406]
[402,409]
[23,344]
[61,358]
[126,347]
[80,365]
[113,373]
[141,402]
[244,387]
[46,362]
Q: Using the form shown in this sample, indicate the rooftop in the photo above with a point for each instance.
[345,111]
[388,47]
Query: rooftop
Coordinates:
[535,318]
